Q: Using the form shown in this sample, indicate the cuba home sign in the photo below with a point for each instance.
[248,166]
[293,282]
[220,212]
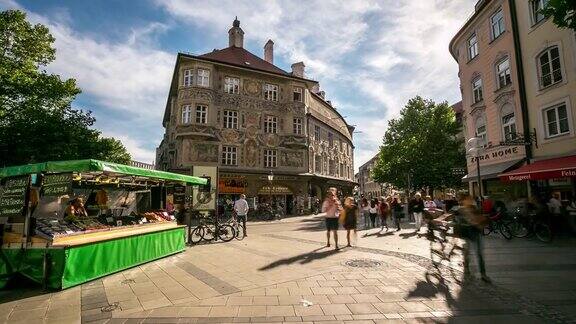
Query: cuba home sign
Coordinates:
[496,154]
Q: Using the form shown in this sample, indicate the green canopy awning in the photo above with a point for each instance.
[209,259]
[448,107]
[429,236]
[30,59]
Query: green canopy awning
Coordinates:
[81,166]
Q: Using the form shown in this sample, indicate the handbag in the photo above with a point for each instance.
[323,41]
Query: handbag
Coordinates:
[342,216]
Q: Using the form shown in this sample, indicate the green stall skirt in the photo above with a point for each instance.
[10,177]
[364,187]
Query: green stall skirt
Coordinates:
[74,265]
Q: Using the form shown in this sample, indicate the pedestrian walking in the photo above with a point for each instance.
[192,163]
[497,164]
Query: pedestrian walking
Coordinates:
[350,219]
[384,212]
[241,211]
[365,206]
[469,223]
[373,212]
[417,208]
[331,207]
[396,208]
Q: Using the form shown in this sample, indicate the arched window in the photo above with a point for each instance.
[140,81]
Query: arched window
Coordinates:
[508,121]
[503,73]
[477,90]
[549,67]
[481,130]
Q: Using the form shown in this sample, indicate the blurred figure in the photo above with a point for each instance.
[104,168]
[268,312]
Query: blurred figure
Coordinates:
[470,222]
[365,206]
[396,208]
[373,212]
[429,203]
[417,208]
[450,202]
[331,206]
[384,212]
[350,221]
[555,205]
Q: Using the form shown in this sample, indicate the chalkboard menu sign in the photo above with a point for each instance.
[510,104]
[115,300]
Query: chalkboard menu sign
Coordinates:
[179,194]
[57,184]
[13,197]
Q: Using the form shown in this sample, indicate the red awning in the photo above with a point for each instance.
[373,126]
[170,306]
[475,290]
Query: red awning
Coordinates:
[564,167]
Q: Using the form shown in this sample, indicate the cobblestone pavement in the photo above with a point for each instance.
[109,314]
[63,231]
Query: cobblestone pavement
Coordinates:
[283,272]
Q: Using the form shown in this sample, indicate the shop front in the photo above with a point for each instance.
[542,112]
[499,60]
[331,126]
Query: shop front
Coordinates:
[555,176]
[68,222]
[492,187]
[278,196]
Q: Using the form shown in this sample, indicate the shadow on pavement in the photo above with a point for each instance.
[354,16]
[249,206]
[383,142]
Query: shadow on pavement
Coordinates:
[408,235]
[378,234]
[303,258]
[20,287]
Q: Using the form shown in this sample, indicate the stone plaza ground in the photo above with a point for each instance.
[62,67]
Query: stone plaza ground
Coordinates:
[283,272]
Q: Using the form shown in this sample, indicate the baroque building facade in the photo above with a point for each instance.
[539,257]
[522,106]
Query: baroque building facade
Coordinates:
[231,109]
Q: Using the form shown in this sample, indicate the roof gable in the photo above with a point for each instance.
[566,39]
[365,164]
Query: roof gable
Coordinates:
[241,57]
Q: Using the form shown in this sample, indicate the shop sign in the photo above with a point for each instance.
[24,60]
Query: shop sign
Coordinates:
[232,186]
[13,197]
[459,171]
[544,175]
[275,190]
[495,154]
[57,184]
[179,194]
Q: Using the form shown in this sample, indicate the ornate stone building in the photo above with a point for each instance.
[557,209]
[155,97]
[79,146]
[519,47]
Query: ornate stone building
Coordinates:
[232,109]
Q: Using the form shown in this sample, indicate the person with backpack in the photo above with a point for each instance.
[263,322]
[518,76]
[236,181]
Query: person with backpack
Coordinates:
[384,212]
[332,208]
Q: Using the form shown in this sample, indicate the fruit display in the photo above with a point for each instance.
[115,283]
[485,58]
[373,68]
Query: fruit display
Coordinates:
[89,224]
[154,217]
[51,228]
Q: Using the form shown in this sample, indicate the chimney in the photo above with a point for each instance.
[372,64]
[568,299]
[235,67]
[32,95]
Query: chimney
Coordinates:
[269,51]
[236,35]
[298,69]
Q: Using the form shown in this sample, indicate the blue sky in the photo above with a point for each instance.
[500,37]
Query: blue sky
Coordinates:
[369,56]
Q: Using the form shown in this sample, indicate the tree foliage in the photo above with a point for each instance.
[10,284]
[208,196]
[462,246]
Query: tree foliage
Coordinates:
[37,122]
[421,143]
[563,13]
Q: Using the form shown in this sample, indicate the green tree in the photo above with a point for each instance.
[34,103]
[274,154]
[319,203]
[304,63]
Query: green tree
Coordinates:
[421,144]
[37,122]
[563,13]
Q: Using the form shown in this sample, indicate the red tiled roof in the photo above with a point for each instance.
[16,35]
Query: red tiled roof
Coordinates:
[457,107]
[241,57]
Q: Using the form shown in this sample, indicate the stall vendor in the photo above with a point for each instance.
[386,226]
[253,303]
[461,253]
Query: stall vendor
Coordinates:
[75,209]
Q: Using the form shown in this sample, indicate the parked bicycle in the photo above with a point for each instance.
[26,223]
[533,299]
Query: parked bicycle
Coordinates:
[239,232]
[207,231]
[530,222]
[498,223]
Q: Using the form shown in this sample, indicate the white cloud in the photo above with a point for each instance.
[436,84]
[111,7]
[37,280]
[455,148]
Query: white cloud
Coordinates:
[370,56]
[137,149]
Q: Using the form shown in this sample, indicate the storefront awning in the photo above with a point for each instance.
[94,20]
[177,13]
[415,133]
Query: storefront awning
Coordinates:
[563,167]
[491,171]
[81,166]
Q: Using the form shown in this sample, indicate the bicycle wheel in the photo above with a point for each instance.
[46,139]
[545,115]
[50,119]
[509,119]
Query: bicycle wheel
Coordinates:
[518,229]
[226,232]
[239,232]
[543,232]
[505,230]
[196,234]
[209,232]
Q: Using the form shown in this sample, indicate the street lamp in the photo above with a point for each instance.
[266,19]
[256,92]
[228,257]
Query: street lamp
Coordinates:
[270,179]
[475,146]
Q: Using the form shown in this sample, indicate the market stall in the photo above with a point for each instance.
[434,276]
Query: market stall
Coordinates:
[68,222]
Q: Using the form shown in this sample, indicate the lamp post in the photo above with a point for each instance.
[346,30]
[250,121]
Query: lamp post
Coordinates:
[270,179]
[475,146]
